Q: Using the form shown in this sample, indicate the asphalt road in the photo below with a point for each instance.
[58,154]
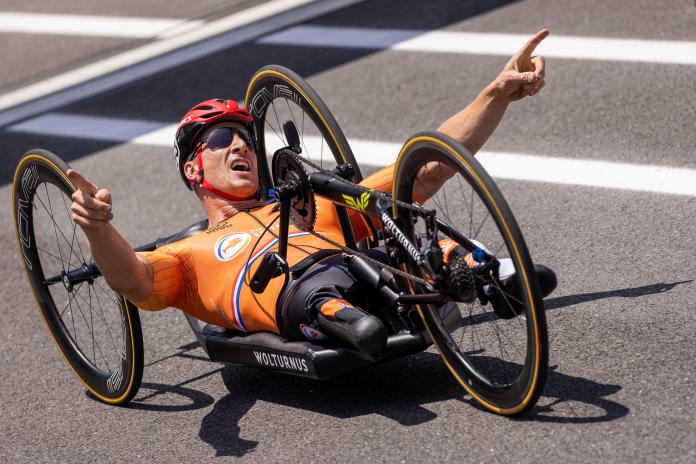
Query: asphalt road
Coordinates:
[621,325]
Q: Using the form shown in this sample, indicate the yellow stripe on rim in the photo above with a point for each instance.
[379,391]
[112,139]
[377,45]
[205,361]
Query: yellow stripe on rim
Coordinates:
[272,72]
[42,159]
[537,345]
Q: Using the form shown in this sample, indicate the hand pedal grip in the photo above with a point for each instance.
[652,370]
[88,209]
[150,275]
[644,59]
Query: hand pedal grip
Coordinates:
[291,136]
[370,276]
[272,265]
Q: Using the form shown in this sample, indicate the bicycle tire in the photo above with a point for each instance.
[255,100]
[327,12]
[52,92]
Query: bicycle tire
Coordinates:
[42,173]
[276,84]
[491,366]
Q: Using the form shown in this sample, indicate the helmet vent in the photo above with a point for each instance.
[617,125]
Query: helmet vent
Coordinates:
[210,115]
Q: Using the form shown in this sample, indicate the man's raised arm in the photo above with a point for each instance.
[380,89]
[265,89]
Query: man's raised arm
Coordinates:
[124,271]
[521,76]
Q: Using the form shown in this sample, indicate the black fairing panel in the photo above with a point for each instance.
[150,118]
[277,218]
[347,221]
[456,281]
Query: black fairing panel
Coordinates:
[307,359]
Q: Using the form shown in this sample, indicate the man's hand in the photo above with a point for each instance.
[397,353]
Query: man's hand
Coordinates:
[524,74]
[91,205]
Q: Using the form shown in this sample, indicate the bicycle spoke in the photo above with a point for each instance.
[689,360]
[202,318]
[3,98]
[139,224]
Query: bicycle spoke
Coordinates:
[514,345]
[276,133]
[55,227]
[444,193]
[485,281]
[113,343]
[72,317]
[471,212]
[101,310]
[108,293]
[480,226]
[462,189]
[58,230]
[280,126]
[61,261]
[292,114]
[92,333]
[67,305]
[74,226]
[70,243]
[91,320]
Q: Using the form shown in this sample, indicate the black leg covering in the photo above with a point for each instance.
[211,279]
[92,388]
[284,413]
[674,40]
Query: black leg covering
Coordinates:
[361,330]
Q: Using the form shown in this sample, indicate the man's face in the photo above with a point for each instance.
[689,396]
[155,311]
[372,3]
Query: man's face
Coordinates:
[233,168]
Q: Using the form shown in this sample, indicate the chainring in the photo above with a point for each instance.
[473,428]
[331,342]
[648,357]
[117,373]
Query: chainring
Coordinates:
[286,170]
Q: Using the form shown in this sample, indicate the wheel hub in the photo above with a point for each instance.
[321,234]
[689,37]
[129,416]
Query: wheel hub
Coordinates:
[66,282]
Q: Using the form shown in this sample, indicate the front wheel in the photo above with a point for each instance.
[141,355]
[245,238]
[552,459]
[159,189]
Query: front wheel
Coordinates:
[500,362]
[97,331]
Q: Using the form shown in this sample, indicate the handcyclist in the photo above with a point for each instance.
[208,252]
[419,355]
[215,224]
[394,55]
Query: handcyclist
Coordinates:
[207,274]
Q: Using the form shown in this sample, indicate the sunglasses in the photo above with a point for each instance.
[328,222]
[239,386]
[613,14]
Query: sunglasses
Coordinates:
[222,137]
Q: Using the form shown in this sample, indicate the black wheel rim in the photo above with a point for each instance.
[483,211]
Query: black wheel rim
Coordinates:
[94,328]
[276,95]
[499,360]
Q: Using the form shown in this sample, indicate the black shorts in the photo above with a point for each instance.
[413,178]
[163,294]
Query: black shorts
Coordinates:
[326,279]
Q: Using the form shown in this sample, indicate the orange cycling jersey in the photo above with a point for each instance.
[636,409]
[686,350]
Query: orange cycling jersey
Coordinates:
[207,275]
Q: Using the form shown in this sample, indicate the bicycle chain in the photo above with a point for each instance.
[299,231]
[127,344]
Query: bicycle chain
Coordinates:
[352,251]
[381,195]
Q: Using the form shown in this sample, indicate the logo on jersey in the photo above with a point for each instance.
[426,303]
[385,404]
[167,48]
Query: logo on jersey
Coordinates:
[231,245]
[311,333]
[359,203]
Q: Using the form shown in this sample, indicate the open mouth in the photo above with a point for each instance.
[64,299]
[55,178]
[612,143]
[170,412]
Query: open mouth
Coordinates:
[240,165]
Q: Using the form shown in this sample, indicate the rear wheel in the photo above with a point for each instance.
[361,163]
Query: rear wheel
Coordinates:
[501,363]
[276,95]
[97,331]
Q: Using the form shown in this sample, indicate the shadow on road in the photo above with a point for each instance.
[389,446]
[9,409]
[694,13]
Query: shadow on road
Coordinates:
[576,401]
[398,390]
[633,292]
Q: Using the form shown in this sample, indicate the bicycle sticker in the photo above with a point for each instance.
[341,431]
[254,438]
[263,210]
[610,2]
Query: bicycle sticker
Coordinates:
[408,246]
[114,382]
[358,203]
[265,96]
[124,334]
[311,333]
[30,178]
[281,361]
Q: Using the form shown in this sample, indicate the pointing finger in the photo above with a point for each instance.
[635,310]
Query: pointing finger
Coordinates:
[532,43]
[81,182]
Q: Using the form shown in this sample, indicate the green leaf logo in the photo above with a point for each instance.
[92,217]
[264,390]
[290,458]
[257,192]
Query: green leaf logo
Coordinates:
[364,200]
[358,203]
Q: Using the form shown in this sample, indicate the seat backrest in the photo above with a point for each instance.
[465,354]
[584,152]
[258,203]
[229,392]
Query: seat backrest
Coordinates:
[182,234]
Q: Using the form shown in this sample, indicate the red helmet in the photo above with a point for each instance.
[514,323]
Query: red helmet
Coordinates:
[197,119]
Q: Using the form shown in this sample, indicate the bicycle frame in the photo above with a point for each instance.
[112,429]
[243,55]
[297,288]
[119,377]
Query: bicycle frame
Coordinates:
[344,194]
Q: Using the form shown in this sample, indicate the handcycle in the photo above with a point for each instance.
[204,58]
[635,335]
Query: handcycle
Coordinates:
[501,362]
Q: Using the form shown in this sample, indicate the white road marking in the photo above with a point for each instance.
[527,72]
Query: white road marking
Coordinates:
[482,43]
[95,26]
[518,166]
[166,53]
